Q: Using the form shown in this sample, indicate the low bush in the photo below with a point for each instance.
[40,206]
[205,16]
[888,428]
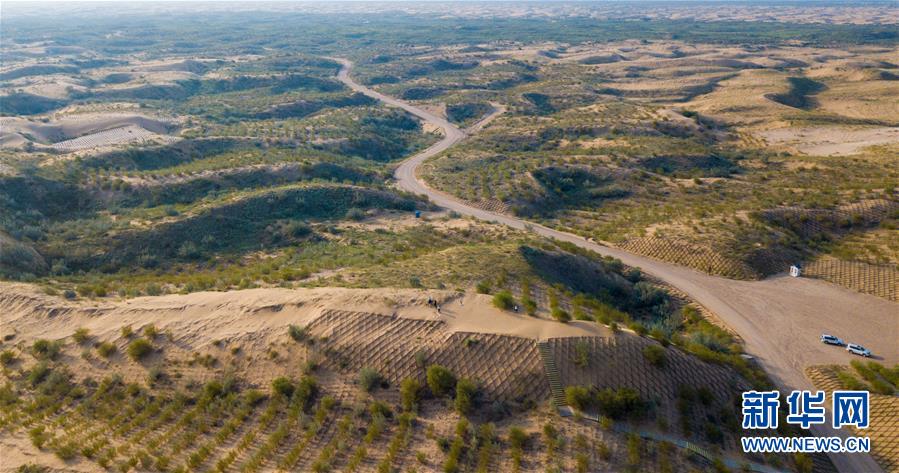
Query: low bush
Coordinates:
[530,306]
[850,382]
[604,452]
[139,348]
[634,450]
[45,349]
[441,381]
[655,355]
[409,393]
[578,397]
[7,357]
[297,333]
[620,403]
[151,332]
[581,354]
[483,287]
[466,393]
[561,315]
[518,442]
[504,300]
[369,379]
[81,335]
[106,349]
[283,386]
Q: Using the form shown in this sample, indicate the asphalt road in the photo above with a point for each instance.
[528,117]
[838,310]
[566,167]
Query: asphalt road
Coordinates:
[780,318]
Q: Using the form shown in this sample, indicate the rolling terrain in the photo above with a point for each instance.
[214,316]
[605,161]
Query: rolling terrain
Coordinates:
[384,237]
[780,319]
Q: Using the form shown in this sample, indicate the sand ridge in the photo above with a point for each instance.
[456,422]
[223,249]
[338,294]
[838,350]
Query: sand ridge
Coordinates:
[200,318]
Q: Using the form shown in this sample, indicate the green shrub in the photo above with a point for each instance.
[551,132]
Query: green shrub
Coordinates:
[582,463]
[634,450]
[66,451]
[638,328]
[581,354]
[409,392]
[32,468]
[379,410]
[283,386]
[127,332]
[483,287]
[560,314]
[81,335]
[889,374]
[872,374]
[850,382]
[106,349]
[605,454]
[551,439]
[518,438]
[7,357]
[620,403]
[517,442]
[297,333]
[39,373]
[46,350]
[655,355]
[578,397]
[38,436]
[504,300]
[150,331]
[355,213]
[369,379]
[139,348]
[530,305]
[579,314]
[882,387]
[466,392]
[441,381]
[660,336]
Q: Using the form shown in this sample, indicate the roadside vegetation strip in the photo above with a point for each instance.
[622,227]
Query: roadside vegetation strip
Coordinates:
[690,446]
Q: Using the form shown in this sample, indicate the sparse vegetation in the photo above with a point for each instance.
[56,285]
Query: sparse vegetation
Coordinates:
[369,379]
[106,349]
[655,355]
[441,381]
[81,335]
[201,153]
[504,300]
[139,349]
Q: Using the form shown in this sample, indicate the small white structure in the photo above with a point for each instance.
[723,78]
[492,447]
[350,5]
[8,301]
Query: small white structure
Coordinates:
[795,270]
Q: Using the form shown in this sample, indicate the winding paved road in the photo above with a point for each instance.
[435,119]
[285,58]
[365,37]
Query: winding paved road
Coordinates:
[780,319]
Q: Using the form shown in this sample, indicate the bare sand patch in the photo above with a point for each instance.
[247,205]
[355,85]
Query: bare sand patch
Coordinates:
[831,141]
[200,318]
[85,131]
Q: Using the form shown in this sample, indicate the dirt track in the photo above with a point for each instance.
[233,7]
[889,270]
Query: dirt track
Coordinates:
[780,318]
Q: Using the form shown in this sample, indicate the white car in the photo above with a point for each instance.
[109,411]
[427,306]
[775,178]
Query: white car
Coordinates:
[831,340]
[858,350]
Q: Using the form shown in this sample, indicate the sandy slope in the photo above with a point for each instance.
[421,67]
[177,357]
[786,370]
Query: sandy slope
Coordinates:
[780,318]
[831,141]
[76,126]
[199,318]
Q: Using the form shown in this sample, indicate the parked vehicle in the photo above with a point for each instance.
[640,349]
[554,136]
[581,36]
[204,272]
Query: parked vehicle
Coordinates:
[856,349]
[831,340]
